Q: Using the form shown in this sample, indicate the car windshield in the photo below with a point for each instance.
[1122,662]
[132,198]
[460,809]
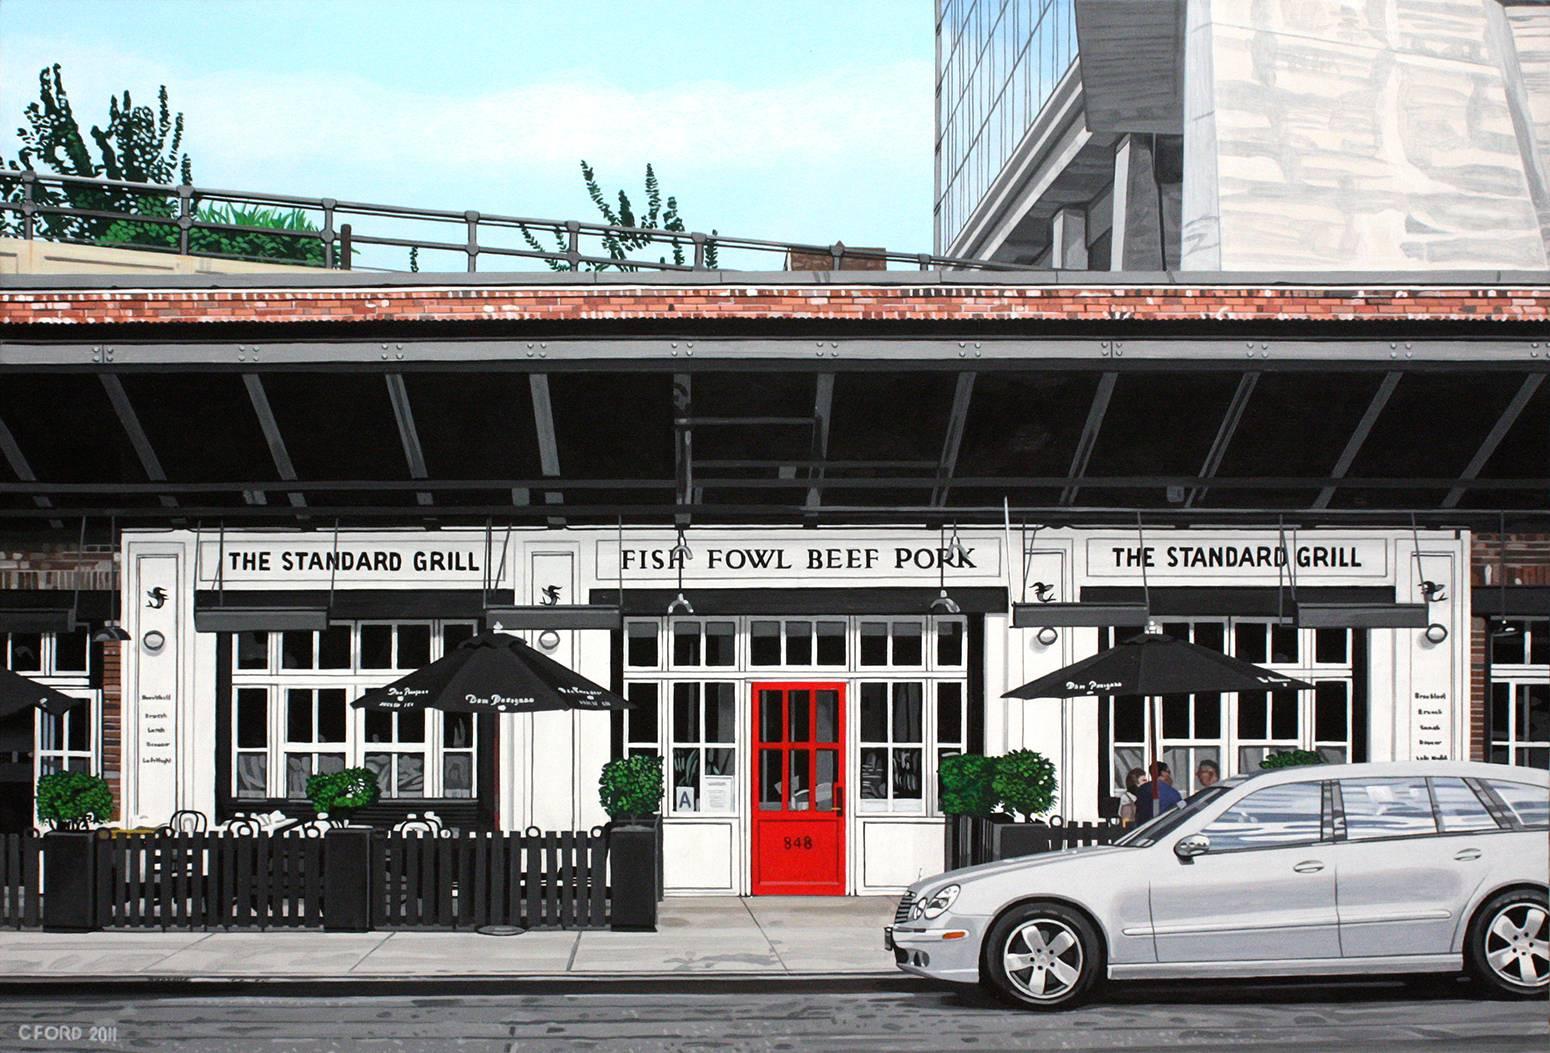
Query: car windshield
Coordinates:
[1158,827]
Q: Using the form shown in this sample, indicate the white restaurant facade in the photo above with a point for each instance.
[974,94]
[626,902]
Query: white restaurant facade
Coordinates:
[233,695]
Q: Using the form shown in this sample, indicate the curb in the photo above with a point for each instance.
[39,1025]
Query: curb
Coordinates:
[49,985]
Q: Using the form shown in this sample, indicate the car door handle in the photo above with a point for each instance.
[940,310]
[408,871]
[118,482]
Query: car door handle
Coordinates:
[1467,855]
[1309,866]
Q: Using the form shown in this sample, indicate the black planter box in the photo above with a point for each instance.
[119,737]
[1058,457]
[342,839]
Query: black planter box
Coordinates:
[969,840]
[347,880]
[70,881]
[635,874]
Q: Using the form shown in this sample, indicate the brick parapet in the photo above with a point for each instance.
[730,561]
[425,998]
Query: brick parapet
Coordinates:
[827,303]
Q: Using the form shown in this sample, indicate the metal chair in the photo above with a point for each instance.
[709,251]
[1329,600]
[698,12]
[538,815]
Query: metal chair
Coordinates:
[184,821]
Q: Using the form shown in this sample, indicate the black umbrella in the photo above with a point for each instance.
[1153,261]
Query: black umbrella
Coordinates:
[18,692]
[494,672]
[1153,663]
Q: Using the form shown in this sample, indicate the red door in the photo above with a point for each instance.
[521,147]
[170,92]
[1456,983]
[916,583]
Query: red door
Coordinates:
[799,789]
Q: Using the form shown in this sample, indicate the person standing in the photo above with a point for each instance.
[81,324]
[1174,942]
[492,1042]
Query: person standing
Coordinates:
[1158,795]
[1127,801]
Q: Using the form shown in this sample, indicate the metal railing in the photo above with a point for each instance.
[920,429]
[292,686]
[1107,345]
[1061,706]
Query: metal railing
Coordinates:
[164,218]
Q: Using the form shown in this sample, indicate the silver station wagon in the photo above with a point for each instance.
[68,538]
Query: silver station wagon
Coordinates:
[1353,868]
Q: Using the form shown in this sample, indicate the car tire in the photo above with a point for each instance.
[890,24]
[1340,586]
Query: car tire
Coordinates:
[1507,948]
[1042,956]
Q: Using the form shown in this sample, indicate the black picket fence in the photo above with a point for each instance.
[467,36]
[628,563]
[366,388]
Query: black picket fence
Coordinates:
[206,881]
[531,880]
[353,879]
[971,840]
[20,865]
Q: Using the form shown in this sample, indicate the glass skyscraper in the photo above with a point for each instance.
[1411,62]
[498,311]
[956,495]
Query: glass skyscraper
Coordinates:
[997,62]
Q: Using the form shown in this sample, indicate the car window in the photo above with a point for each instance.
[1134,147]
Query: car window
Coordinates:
[1531,804]
[1459,808]
[1160,826]
[1386,808]
[1270,818]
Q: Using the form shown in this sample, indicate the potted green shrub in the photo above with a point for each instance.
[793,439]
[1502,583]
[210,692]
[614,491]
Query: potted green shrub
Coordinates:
[336,795]
[71,802]
[74,800]
[1026,785]
[630,789]
[970,801]
[1290,759]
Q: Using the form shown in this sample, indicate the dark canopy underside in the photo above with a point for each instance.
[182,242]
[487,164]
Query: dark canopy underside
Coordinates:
[826,443]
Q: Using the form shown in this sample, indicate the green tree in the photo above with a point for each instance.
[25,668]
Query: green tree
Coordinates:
[660,215]
[138,145]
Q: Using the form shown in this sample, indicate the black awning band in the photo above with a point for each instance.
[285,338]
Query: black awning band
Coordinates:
[725,601]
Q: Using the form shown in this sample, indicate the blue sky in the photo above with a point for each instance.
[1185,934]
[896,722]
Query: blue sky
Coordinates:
[796,120]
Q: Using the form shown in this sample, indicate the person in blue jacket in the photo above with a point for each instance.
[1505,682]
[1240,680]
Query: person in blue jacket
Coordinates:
[1161,784]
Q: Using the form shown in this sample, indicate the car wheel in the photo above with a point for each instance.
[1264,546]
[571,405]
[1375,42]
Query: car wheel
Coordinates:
[1509,944]
[1042,956]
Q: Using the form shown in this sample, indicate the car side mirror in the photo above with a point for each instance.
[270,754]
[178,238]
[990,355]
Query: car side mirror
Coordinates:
[1189,847]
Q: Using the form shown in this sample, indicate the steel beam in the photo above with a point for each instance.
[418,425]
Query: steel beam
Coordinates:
[683,440]
[1089,436]
[606,515]
[20,465]
[138,439]
[1497,433]
[956,421]
[272,437]
[523,487]
[1359,435]
[823,409]
[548,445]
[403,413]
[792,353]
[1224,433]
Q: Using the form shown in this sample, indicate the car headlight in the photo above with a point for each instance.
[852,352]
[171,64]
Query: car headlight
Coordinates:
[936,904]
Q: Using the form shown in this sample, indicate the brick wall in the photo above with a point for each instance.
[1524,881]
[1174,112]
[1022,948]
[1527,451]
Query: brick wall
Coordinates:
[60,566]
[1525,559]
[112,721]
[845,303]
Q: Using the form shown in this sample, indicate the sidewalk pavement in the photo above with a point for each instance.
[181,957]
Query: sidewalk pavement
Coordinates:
[770,937]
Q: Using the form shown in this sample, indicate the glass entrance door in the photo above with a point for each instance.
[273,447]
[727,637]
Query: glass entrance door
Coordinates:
[799,789]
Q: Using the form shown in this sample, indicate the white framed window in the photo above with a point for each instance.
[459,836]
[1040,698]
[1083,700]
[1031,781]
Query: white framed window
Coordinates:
[639,731]
[251,741]
[1237,731]
[709,643]
[291,717]
[703,777]
[1520,693]
[798,643]
[68,741]
[898,643]
[395,750]
[397,646]
[643,644]
[317,738]
[891,743]
[47,654]
[671,665]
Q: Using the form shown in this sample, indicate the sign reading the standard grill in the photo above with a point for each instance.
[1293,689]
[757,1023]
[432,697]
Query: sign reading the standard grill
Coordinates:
[351,560]
[1228,557]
